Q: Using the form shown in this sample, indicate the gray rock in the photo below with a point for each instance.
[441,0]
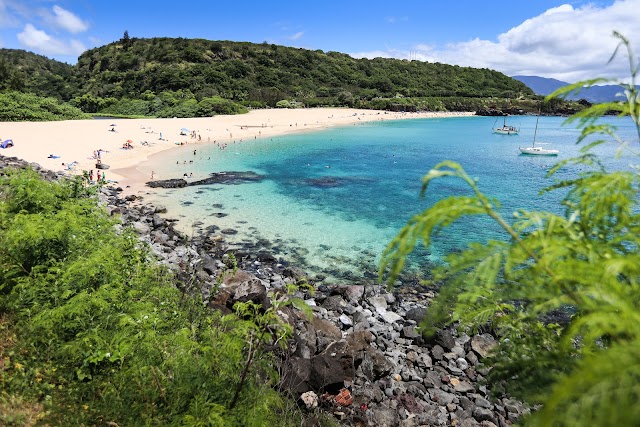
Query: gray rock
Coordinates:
[305,338]
[253,290]
[472,358]
[209,264]
[483,344]
[326,333]
[335,303]
[463,387]
[437,352]
[445,337]
[141,228]
[373,393]
[296,375]
[432,379]
[483,414]
[461,363]
[442,397]
[410,332]
[390,317]
[377,302]
[159,237]
[483,403]
[384,418]
[157,221]
[354,293]
[375,365]
[433,415]
[346,320]
[331,368]
[167,183]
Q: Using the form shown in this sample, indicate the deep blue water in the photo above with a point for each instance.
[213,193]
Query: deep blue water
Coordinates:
[334,199]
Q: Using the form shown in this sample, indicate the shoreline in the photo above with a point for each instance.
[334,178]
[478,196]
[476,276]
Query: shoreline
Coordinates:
[56,145]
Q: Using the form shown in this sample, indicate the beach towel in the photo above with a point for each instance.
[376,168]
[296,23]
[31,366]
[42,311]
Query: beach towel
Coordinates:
[6,143]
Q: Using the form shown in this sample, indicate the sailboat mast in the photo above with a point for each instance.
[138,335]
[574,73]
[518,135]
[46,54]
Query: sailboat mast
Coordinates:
[535,131]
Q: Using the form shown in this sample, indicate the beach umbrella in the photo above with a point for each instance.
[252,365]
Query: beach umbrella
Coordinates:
[184,130]
[113,124]
[129,141]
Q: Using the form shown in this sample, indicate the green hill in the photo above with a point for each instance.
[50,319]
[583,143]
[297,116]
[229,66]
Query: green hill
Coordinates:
[167,77]
[269,73]
[28,72]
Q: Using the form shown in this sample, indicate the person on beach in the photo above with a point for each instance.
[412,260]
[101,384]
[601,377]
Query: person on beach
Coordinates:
[152,174]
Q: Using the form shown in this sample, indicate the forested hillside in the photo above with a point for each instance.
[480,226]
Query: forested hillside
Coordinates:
[178,77]
[268,73]
[27,72]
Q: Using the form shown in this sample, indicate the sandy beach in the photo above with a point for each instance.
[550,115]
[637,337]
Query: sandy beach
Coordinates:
[57,145]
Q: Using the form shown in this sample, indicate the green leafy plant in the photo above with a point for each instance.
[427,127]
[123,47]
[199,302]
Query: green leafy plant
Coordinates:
[94,332]
[561,291]
[266,324]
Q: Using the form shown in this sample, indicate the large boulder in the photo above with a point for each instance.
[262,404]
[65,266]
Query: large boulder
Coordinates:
[168,183]
[245,287]
[329,371]
[306,340]
[483,344]
[326,333]
[295,375]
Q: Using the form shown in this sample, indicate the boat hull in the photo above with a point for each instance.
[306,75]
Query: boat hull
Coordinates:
[537,151]
[502,131]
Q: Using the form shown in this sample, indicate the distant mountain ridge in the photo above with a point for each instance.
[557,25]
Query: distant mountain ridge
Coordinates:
[596,94]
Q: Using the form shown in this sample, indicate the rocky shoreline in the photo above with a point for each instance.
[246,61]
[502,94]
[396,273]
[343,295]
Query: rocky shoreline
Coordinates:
[361,357]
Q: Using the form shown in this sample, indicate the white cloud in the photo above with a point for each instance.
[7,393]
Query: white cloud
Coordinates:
[40,41]
[68,21]
[297,35]
[564,42]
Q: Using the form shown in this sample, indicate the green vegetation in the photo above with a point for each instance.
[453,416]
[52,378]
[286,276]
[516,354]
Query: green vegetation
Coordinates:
[94,332]
[176,77]
[28,72]
[561,291]
[17,106]
[269,73]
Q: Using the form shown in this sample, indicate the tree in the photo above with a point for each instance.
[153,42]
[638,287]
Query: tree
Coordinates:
[126,40]
[561,291]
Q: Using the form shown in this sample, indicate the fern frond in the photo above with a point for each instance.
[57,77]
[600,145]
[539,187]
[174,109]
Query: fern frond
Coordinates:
[594,393]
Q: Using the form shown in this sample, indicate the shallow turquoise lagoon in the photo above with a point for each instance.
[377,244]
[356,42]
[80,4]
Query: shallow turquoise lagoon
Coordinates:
[332,200]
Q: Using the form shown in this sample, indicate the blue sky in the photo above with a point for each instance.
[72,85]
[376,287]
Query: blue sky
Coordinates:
[568,40]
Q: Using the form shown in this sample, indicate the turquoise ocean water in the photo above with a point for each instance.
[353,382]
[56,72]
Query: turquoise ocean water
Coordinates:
[332,200]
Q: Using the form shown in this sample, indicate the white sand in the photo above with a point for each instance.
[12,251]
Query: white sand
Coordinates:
[77,140]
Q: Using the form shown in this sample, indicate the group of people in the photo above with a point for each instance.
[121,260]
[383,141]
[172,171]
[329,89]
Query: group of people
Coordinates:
[99,177]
